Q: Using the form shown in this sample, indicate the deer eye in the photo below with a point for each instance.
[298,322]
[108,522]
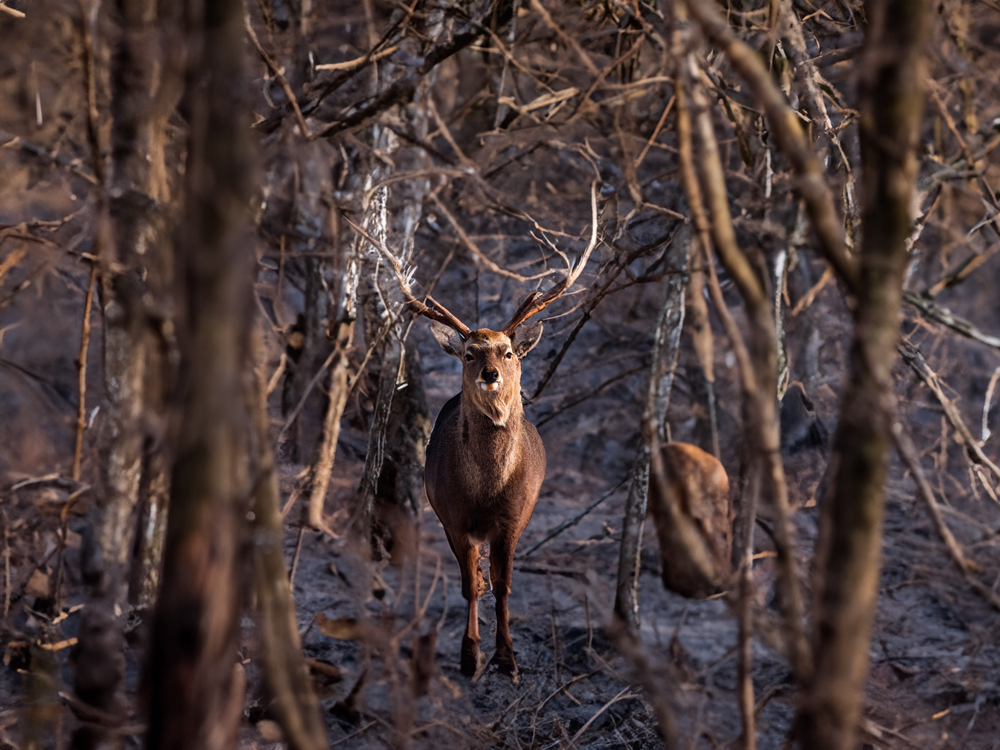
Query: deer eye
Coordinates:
[508,355]
[468,357]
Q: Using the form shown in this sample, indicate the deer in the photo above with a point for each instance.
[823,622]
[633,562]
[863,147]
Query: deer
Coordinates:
[485,460]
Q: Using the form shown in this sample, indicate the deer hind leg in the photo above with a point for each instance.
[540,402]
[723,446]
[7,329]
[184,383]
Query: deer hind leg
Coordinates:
[501,570]
[472,586]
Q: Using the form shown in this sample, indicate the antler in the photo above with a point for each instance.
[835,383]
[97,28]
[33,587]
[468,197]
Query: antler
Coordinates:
[538,301]
[437,311]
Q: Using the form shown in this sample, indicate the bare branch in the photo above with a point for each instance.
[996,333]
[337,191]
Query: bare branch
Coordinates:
[538,301]
[436,311]
[786,128]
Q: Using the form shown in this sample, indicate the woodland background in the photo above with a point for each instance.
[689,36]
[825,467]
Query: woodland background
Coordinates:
[178,184]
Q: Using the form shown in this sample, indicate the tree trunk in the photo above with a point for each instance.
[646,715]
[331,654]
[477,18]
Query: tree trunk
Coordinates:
[309,223]
[194,684]
[132,271]
[666,344]
[849,555]
[286,677]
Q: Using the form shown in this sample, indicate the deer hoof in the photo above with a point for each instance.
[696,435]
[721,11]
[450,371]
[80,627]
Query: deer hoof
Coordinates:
[504,661]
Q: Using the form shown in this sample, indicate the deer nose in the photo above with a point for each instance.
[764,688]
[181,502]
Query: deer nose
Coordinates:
[490,375]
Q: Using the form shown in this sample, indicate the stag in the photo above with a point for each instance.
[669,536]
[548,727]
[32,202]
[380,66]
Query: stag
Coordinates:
[485,460]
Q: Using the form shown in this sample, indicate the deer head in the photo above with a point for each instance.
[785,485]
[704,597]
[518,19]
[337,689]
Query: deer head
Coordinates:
[491,365]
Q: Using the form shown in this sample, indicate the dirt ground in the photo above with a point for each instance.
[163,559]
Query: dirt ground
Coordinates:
[935,654]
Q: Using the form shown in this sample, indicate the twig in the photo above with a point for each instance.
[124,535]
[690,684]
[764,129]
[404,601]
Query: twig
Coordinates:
[566,38]
[963,271]
[912,356]
[474,248]
[81,374]
[6,564]
[11,261]
[649,675]
[985,433]
[575,519]
[276,72]
[572,401]
[946,317]
[788,132]
[88,23]
[359,62]
[11,11]
[623,695]
[908,453]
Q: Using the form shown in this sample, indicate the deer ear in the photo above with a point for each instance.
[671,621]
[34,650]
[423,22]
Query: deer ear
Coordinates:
[449,339]
[525,338]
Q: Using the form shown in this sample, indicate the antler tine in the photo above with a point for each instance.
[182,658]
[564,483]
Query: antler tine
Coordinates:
[437,312]
[538,301]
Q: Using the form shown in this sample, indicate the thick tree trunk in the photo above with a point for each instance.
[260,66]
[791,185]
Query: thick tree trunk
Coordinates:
[132,269]
[851,525]
[195,686]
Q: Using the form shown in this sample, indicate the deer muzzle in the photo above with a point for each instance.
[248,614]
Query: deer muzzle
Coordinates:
[490,380]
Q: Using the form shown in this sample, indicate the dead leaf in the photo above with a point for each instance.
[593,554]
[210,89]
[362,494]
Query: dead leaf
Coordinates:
[342,628]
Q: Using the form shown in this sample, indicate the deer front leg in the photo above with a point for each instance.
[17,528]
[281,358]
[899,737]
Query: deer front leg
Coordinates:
[501,570]
[472,586]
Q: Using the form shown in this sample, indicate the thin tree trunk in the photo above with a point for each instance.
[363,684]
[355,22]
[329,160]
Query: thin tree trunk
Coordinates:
[849,556]
[286,676]
[310,218]
[666,344]
[128,250]
[761,380]
[704,346]
[195,685]
[391,489]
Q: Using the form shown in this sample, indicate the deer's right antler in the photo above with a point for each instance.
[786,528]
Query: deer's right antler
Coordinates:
[436,311]
[538,301]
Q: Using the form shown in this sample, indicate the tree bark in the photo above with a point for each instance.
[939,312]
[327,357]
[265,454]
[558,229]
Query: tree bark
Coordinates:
[194,684]
[849,556]
[666,344]
[131,248]
[286,676]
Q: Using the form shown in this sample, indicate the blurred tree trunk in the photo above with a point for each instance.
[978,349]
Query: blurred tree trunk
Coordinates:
[849,555]
[194,684]
[134,271]
[311,348]
[286,677]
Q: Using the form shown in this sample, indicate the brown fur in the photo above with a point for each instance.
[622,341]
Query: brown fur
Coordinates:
[485,466]
[689,500]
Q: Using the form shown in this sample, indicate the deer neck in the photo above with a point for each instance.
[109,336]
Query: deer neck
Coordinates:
[494,448]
